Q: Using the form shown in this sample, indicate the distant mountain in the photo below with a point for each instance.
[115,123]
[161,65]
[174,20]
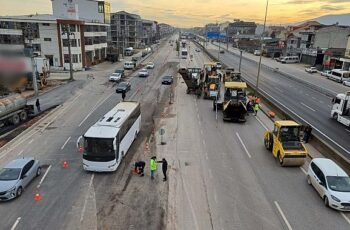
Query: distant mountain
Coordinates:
[342,19]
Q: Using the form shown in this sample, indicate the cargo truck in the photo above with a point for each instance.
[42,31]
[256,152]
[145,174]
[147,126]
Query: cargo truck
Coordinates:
[341,108]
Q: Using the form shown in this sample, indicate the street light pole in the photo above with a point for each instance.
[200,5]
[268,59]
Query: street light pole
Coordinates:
[240,60]
[261,49]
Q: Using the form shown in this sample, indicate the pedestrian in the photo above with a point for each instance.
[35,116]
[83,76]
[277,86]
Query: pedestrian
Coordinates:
[123,95]
[153,166]
[256,108]
[307,133]
[37,104]
[164,167]
[139,167]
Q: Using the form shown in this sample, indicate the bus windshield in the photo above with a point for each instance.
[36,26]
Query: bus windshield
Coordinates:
[98,148]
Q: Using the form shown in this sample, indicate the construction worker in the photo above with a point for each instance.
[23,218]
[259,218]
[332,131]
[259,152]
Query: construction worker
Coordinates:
[153,166]
[139,167]
[164,167]
[256,108]
[307,133]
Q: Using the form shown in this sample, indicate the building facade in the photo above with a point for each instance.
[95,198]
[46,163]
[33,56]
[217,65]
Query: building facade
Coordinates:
[332,37]
[165,29]
[346,59]
[241,30]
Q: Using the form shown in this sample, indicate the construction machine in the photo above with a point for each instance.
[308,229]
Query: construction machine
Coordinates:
[193,80]
[285,144]
[212,79]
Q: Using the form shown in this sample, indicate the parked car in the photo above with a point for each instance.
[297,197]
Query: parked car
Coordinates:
[17,175]
[346,82]
[218,65]
[325,73]
[167,80]
[124,86]
[150,65]
[311,70]
[257,52]
[129,65]
[115,77]
[331,183]
[143,73]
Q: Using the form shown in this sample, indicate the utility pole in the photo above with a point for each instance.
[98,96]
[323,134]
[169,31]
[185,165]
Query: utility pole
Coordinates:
[227,38]
[240,60]
[66,31]
[29,33]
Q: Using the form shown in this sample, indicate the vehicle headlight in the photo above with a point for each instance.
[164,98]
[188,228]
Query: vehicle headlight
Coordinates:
[12,190]
[335,198]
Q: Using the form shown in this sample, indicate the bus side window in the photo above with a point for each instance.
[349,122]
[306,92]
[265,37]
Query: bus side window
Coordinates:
[116,147]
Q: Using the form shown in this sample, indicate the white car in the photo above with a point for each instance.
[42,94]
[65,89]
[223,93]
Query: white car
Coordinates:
[311,70]
[129,65]
[325,73]
[346,82]
[143,73]
[218,65]
[150,65]
[115,77]
[331,183]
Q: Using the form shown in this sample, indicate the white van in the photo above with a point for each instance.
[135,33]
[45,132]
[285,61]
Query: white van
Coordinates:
[339,75]
[129,51]
[290,59]
[129,65]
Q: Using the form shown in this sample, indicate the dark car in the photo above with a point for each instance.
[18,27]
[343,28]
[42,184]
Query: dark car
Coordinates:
[121,71]
[123,87]
[222,51]
[167,80]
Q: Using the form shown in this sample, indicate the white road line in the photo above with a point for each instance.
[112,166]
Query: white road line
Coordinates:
[203,141]
[94,108]
[16,223]
[345,217]
[334,142]
[303,170]
[20,153]
[210,174]
[283,216]
[321,102]
[215,198]
[263,125]
[86,198]
[306,94]
[308,107]
[31,141]
[245,148]
[347,130]
[206,155]
[313,98]
[43,178]
[65,143]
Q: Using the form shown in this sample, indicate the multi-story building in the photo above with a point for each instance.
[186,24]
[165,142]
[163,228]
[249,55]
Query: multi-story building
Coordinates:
[241,30]
[48,34]
[211,27]
[334,36]
[165,29]
[149,32]
[126,30]
[346,59]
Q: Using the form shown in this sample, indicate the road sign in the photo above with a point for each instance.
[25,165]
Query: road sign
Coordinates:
[213,35]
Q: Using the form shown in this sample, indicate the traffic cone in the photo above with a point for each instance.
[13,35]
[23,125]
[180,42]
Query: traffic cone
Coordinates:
[37,197]
[65,164]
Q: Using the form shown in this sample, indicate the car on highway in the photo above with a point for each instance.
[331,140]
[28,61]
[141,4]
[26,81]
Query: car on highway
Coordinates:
[331,182]
[346,82]
[311,70]
[198,50]
[150,65]
[143,73]
[115,77]
[16,176]
[129,65]
[167,80]
[257,52]
[218,65]
[325,73]
[222,51]
[124,86]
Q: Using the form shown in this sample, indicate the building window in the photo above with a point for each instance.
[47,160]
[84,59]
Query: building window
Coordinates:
[47,39]
[78,42]
[79,57]
[100,7]
[46,24]
[73,42]
[75,58]
[66,58]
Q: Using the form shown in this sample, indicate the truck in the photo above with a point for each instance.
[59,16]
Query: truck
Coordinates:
[341,108]
[14,109]
[193,80]
[285,144]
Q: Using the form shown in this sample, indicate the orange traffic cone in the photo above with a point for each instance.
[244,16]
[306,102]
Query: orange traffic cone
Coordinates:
[37,197]
[65,164]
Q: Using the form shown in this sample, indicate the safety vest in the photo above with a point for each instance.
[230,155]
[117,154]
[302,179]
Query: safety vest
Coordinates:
[153,165]
[256,107]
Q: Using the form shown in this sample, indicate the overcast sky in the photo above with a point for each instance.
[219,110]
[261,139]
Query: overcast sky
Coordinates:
[191,13]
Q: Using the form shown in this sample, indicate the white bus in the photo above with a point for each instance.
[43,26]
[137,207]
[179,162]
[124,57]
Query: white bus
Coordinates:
[339,75]
[290,59]
[184,53]
[109,139]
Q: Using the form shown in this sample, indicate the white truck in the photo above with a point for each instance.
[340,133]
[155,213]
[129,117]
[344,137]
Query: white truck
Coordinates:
[341,108]
[129,51]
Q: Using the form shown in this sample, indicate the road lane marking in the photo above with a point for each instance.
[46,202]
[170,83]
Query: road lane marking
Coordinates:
[95,107]
[245,148]
[347,130]
[215,198]
[16,223]
[20,153]
[43,178]
[308,107]
[65,143]
[190,204]
[203,141]
[263,125]
[210,174]
[86,198]
[303,170]
[314,98]
[31,141]
[345,217]
[321,102]
[283,216]
[206,155]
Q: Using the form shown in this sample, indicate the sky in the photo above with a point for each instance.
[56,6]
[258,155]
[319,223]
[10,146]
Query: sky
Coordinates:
[192,13]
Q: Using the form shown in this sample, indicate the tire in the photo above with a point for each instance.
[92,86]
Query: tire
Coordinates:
[280,159]
[15,119]
[19,192]
[308,179]
[269,142]
[335,116]
[326,202]
[23,116]
[38,172]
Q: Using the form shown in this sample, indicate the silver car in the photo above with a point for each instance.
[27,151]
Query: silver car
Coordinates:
[17,175]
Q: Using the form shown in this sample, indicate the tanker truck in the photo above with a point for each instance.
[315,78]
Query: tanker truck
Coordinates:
[14,109]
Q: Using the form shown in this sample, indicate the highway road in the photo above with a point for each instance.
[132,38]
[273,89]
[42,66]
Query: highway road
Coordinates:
[70,197]
[224,178]
[303,103]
